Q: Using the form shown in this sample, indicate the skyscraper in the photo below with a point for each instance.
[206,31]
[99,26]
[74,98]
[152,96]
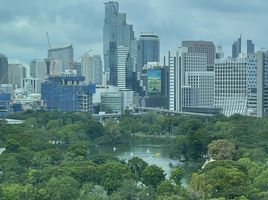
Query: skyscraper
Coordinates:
[236,48]
[206,47]
[116,32]
[191,83]
[91,68]
[16,72]
[122,55]
[38,69]
[235,85]
[262,83]
[3,69]
[63,55]
[148,49]
[250,47]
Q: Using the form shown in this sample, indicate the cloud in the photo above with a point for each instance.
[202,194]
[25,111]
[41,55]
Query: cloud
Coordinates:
[80,22]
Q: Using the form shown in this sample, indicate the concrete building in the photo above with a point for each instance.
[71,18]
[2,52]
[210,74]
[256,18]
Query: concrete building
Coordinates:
[31,85]
[116,102]
[16,72]
[63,56]
[116,32]
[91,68]
[236,86]
[191,83]
[5,104]
[237,47]
[122,56]
[262,83]
[250,48]
[205,47]
[172,65]
[39,69]
[148,49]
[3,69]
[67,93]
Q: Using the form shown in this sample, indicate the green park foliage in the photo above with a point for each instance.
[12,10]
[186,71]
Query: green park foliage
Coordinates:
[48,158]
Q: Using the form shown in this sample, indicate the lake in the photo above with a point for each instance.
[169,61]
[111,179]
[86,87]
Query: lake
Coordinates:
[153,151]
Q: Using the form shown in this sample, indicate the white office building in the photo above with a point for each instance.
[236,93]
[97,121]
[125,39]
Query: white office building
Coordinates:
[91,68]
[191,83]
[122,54]
[235,85]
[15,73]
[38,69]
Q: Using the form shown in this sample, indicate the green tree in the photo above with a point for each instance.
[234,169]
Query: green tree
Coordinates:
[63,187]
[229,182]
[199,188]
[221,149]
[176,175]
[12,146]
[137,165]
[129,190]
[153,175]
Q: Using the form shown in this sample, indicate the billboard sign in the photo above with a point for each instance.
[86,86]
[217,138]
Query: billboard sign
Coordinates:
[154,81]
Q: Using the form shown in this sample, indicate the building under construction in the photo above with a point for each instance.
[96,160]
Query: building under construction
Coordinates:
[67,93]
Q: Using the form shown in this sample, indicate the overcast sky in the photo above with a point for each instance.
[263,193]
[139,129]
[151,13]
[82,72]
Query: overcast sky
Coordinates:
[23,24]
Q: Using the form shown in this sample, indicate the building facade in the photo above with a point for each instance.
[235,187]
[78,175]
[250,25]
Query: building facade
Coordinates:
[67,93]
[237,47]
[262,83]
[116,32]
[205,47]
[16,72]
[122,56]
[191,82]
[148,49]
[31,85]
[38,69]
[63,56]
[250,48]
[91,68]
[236,86]
[3,69]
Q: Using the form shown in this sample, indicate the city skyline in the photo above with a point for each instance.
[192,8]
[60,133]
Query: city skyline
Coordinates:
[24,24]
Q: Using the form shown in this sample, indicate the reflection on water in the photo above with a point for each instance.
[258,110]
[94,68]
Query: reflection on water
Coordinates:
[154,152]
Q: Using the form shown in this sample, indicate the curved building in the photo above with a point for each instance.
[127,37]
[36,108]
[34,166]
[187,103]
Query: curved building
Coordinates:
[63,54]
[148,50]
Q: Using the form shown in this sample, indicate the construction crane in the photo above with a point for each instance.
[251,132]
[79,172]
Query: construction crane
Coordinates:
[53,62]
[71,64]
[48,41]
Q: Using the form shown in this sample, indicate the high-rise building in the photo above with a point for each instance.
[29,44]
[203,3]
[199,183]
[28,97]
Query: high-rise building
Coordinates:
[148,49]
[206,47]
[250,47]
[3,69]
[191,83]
[235,85]
[63,56]
[237,47]
[16,72]
[91,68]
[172,64]
[262,84]
[116,32]
[122,56]
[219,52]
[38,69]
[67,93]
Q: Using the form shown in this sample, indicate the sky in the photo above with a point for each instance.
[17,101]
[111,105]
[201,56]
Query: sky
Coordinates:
[24,23]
